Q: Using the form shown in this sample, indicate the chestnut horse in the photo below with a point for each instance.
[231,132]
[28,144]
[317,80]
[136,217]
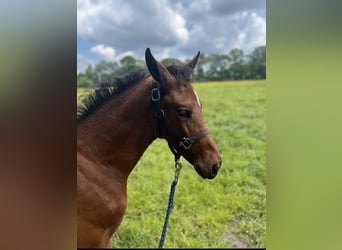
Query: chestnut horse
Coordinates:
[115,126]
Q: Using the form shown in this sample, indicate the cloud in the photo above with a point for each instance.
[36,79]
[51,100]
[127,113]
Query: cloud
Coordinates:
[130,25]
[176,27]
[107,52]
[227,7]
[126,53]
[221,25]
[244,30]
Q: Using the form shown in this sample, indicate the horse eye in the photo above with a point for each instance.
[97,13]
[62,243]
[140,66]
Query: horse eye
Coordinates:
[183,113]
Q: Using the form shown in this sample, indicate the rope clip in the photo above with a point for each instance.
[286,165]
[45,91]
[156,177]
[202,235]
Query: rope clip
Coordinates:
[178,167]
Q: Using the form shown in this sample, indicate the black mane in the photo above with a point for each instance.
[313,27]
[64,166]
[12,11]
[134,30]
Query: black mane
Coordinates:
[106,91]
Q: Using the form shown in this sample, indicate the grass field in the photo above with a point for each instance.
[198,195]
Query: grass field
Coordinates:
[228,211]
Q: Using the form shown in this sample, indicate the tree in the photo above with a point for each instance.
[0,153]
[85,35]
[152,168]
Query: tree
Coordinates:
[217,66]
[232,66]
[237,68]
[237,56]
[171,61]
[200,69]
[91,74]
[83,81]
[104,71]
[128,64]
[257,63]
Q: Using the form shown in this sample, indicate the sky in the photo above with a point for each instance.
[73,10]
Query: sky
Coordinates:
[112,29]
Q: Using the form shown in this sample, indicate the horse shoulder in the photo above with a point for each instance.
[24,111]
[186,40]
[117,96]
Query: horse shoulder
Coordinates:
[102,198]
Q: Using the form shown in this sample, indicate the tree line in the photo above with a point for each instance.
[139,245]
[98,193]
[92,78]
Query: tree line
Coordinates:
[236,65]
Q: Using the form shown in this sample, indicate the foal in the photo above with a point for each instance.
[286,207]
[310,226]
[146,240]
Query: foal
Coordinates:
[115,126]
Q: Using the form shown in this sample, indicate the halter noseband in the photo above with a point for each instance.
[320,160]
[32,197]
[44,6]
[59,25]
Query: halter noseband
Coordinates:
[184,142]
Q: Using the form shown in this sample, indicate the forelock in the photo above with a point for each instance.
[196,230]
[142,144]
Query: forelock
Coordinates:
[182,73]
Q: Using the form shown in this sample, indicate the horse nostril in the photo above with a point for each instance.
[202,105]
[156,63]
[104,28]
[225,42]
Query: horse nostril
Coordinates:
[215,169]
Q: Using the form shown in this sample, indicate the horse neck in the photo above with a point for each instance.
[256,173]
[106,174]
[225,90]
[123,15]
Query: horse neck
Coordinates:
[118,133]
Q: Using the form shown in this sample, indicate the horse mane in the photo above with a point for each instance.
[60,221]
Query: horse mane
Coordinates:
[107,91]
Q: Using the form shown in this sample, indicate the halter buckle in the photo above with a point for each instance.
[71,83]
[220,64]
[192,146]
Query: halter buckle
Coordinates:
[185,143]
[155,94]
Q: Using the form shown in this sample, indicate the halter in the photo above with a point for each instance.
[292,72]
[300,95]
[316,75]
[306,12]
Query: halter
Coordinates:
[184,142]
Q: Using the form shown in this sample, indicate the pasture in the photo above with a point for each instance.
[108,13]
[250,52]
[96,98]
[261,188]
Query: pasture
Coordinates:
[228,211]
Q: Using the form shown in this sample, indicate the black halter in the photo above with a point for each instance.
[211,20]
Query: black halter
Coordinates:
[184,142]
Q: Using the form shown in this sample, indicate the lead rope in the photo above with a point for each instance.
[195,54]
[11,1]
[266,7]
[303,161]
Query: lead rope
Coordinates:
[178,166]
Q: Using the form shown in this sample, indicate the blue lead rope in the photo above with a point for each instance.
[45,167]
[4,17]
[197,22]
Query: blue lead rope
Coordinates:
[170,204]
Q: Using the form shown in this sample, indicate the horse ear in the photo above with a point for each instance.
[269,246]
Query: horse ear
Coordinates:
[156,69]
[193,62]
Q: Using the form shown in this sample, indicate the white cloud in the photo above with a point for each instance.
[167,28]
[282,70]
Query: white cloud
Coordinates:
[106,52]
[228,7]
[122,55]
[130,25]
[220,34]
[178,26]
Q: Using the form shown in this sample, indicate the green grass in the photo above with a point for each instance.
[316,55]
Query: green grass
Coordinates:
[228,211]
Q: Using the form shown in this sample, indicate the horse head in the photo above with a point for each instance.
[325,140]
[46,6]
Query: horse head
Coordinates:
[179,111]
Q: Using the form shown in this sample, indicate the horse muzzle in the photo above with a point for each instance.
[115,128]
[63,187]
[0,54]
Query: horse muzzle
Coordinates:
[214,170]
[208,172]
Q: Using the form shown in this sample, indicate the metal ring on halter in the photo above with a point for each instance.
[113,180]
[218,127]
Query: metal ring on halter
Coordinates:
[155,94]
[185,143]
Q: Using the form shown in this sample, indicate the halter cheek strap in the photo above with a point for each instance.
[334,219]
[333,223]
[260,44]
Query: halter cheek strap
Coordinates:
[184,142]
